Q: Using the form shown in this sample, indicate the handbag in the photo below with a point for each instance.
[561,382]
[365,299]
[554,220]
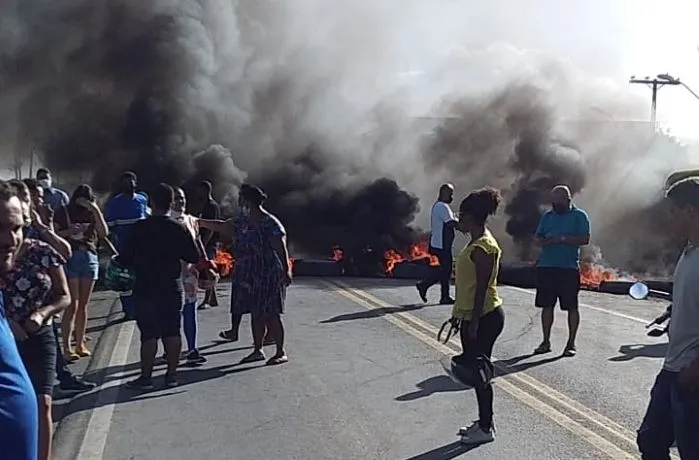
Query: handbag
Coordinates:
[472,371]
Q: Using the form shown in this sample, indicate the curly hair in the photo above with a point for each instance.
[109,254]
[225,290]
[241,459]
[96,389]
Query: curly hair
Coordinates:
[480,204]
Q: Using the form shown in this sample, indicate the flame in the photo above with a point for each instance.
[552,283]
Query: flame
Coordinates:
[592,275]
[418,251]
[338,254]
[224,261]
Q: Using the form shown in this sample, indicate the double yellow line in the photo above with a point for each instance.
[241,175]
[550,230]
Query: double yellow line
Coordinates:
[607,436]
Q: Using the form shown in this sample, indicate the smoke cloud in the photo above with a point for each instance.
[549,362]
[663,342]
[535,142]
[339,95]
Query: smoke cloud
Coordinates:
[321,105]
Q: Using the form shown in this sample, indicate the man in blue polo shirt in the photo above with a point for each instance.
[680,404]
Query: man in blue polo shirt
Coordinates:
[561,233]
[122,212]
[19,424]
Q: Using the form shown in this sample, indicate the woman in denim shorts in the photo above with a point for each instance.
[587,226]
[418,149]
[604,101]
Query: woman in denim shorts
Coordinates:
[81,222]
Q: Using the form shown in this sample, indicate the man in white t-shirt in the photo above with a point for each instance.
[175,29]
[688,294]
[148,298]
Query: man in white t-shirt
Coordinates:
[442,225]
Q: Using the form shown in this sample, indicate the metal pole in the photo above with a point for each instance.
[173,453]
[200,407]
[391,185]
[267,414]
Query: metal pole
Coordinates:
[654,103]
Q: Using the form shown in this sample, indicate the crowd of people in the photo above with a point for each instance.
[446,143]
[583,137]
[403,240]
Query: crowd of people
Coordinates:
[49,264]
[672,417]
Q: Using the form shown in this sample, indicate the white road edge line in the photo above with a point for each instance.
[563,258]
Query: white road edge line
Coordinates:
[100,422]
[599,309]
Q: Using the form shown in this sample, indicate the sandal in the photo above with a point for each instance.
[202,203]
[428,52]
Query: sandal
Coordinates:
[278,359]
[228,335]
[253,357]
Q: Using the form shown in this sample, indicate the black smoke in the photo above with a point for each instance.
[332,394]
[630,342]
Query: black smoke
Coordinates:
[302,101]
[113,96]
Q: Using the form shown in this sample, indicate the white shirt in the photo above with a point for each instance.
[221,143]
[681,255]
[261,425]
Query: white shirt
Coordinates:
[441,214]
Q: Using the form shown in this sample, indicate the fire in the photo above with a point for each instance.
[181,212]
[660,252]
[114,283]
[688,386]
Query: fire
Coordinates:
[338,254]
[418,251]
[592,275]
[224,261]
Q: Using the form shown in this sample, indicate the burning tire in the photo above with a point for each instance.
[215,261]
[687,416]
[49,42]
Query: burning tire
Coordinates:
[524,277]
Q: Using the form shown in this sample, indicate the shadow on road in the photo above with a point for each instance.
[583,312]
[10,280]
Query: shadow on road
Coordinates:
[436,384]
[444,383]
[513,365]
[120,394]
[446,452]
[375,313]
[629,352]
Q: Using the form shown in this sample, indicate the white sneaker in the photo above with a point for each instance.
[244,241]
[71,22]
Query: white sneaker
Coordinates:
[474,435]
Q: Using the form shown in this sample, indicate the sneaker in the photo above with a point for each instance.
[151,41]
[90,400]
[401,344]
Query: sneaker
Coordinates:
[140,383]
[446,301]
[475,435]
[170,381]
[570,351]
[76,384]
[422,292]
[194,357]
[543,348]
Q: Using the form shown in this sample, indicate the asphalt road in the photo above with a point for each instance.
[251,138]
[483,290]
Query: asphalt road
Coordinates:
[364,381]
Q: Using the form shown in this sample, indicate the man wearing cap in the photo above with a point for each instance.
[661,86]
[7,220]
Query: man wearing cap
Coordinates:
[54,197]
[561,233]
[672,416]
[122,211]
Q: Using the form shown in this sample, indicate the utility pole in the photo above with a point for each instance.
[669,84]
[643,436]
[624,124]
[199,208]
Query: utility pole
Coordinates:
[655,84]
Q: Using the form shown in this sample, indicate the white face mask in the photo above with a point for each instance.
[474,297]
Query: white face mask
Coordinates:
[45,183]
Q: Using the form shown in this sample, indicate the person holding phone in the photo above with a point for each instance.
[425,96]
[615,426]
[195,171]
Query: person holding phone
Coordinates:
[81,222]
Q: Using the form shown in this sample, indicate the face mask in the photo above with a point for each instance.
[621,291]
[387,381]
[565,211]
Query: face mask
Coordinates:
[45,183]
[560,207]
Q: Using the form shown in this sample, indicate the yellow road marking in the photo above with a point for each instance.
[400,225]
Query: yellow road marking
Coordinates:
[418,328]
[598,419]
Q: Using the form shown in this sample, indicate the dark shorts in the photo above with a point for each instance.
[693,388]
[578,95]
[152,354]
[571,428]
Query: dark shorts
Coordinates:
[38,353]
[159,316]
[560,285]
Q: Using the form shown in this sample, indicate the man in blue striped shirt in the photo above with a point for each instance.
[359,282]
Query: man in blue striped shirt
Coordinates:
[122,212]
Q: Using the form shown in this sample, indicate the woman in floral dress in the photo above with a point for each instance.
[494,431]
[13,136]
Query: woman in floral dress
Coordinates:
[262,270]
[35,290]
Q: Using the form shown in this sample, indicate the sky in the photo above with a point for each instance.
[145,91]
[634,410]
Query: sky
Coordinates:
[666,39]
[616,39]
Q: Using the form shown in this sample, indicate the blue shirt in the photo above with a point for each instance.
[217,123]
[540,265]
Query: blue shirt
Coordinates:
[55,197]
[19,424]
[570,223]
[122,212]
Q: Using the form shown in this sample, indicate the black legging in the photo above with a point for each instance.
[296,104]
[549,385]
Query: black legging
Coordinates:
[489,328]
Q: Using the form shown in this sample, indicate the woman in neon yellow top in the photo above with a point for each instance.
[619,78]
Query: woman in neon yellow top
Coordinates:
[478,304]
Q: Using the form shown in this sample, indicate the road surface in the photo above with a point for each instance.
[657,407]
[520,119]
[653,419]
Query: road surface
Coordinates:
[364,381]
